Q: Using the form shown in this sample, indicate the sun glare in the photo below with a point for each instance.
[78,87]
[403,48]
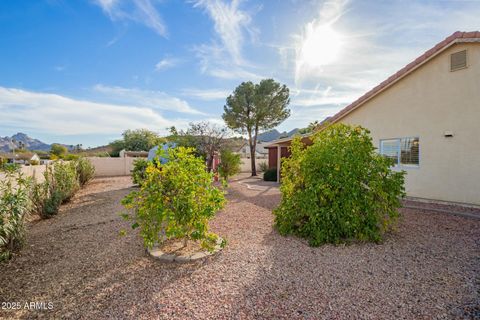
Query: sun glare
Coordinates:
[321,46]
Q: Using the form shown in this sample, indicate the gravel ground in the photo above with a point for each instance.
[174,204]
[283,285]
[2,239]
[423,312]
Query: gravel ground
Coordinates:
[428,269]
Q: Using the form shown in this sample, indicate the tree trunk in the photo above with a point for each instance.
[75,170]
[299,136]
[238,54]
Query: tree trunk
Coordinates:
[253,145]
[210,162]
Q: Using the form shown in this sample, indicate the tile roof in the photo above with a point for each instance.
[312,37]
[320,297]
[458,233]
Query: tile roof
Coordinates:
[454,38]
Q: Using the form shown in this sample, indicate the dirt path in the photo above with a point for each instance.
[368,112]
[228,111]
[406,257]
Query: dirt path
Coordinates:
[428,269]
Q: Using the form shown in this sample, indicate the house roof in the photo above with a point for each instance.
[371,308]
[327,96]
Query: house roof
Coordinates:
[286,139]
[18,156]
[456,37]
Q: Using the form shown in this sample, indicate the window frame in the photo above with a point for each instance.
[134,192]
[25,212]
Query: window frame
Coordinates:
[399,163]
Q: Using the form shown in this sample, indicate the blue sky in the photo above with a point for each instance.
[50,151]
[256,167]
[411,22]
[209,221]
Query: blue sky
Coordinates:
[81,71]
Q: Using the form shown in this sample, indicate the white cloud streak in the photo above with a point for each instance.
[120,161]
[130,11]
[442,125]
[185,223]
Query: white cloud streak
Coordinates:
[155,100]
[60,115]
[139,11]
[166,63]
[230,24]
[206,94]
[223,57]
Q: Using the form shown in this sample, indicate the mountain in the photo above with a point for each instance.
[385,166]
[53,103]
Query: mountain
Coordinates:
[8,143]
[274,134]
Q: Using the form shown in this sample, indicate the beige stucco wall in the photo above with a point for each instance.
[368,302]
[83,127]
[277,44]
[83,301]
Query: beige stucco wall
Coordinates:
[36,172]
[425,104]
[246,164]
[111,167]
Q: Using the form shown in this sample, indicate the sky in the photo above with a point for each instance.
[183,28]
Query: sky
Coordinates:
[83,71]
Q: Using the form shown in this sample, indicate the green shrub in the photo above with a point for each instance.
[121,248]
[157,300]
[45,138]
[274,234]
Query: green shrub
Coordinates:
[85,170]
[270,174]
[229,164]
[10,167]
[263,166]
[338,189]
[61,183]
[138,173]
[14,207]
[71,157]
[46,197]
[176,199]
[34,162]
[66,181]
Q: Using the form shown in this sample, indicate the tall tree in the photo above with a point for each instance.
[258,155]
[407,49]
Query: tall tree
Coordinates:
[256,107]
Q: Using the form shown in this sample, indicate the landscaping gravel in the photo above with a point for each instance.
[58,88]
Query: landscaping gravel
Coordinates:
[428,269]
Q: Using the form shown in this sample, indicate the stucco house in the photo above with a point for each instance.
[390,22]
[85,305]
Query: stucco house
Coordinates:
[260,151]
[427,118]
[133,154]
[21,158]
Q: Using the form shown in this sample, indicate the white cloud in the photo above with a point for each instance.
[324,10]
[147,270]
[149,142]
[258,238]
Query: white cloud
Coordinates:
[140,11]
[321,97]
[60,115]
[155,100]
[230,24]
[166,63]
[223,57]
[206,94]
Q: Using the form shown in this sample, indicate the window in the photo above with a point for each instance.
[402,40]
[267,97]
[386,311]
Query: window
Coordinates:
[458,60]
[403,151]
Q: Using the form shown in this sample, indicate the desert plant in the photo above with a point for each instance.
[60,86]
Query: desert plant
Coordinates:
[270,174]
[263,166]
[60,184]
[10,167]
[229,164]
[85,170]
[176,200]
[138,172]
[71,157]
[338,189]
[66,181]
[14,206]
[46,196]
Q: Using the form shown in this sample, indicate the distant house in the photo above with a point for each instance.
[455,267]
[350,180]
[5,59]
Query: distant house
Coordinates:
[21,158]
[426,117]
[260,151]
[133,154]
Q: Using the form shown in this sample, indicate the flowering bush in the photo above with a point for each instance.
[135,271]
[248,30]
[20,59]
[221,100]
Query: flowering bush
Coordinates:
[338,189]
[176,200]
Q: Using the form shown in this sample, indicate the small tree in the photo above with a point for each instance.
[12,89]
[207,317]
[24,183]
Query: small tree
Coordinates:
[229,164]
[256,107]
[136,140]
[205,137]
[176,199]
[58,150]
[339,188]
